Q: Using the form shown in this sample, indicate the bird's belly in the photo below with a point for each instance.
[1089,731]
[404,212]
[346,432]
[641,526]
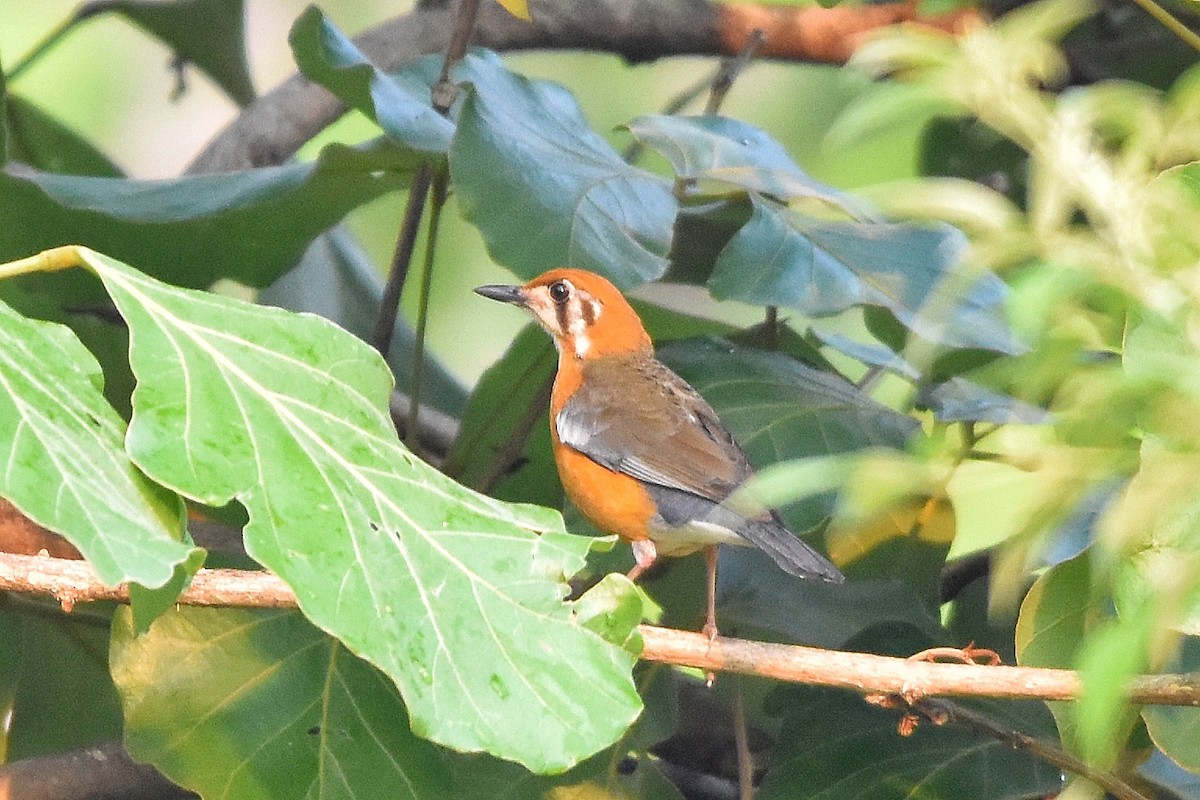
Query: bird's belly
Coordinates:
[692,537]
[613,502]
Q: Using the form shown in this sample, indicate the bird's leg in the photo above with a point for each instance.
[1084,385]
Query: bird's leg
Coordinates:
[710,622]
[644,555]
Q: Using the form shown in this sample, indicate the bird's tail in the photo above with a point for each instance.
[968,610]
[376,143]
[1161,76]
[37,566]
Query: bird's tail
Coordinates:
[789,552]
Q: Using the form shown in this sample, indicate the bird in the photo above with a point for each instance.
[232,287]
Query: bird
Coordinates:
[640,453]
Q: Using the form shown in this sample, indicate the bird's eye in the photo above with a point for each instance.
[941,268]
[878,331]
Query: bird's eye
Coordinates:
[559,291]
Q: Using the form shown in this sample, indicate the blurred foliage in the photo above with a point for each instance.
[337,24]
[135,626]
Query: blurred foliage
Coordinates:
[989,351]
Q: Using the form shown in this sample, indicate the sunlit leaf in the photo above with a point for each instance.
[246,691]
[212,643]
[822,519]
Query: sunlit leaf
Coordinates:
[336,280]
[66,465]
[455,596]
[518,8]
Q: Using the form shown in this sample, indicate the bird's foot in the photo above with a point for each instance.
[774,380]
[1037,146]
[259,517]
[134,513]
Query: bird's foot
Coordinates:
[963,655]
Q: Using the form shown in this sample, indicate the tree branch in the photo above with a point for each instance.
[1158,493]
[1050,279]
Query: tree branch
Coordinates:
[272,129]
[106,771]
[72,582]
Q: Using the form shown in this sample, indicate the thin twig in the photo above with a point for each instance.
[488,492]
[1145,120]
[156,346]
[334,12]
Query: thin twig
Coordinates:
[731,68]
[442,96]
[717,86]
[437,201]
[741,740]
[942,711]
[389,305]
[1168,21]
[72,582]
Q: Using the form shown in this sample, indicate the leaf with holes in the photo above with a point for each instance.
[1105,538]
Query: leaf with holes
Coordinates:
[457,597]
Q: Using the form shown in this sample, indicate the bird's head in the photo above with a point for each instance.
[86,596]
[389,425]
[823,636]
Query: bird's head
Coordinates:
[583,312]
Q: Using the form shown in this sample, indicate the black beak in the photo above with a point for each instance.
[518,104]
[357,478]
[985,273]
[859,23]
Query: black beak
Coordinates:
[505,293]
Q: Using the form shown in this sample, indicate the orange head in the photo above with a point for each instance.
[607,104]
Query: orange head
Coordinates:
[583,312]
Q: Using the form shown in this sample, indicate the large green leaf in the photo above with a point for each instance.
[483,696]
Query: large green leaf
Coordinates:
[250,226]
[336,280]
[273,708]
[66,466]
[834,745]
[456,596]
[400,104]
[819,267]
[779,409]
[208,33]
[546,191]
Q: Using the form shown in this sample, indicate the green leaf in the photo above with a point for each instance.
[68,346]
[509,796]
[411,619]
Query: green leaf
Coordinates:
[874,355]
[503,397]
[455,596]
[66,465]
[44,648]
[1055,617]
[733,152]
[336,280]
[959,400]
[1175,729]
[208,33]
[833,746]
[778,409]
[251,225]
[820,268]
[759,601]
[545,190]
[39,140]
[272,708]
[1115,651]
[399,104]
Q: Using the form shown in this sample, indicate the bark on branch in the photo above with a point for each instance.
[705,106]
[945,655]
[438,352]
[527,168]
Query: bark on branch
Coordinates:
[72,582]
[270,130]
